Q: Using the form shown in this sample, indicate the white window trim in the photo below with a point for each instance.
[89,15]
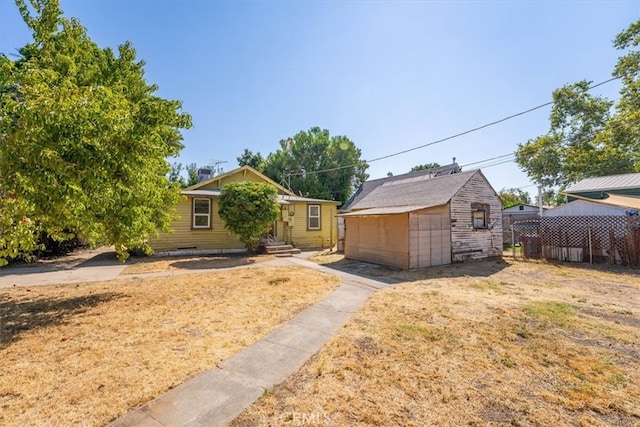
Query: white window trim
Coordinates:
[194,214]
[309,217]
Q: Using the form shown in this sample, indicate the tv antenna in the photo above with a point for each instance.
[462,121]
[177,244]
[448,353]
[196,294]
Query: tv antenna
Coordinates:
[215,166]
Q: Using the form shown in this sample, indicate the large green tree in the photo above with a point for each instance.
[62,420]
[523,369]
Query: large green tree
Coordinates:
[248,209]
[17,229]
[175,174]
[248,158]
[315,164]
[192,174]
[83,138]
[587,135]
[514,196]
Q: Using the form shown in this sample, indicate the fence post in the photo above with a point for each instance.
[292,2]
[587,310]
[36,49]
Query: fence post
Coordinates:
[513,242]
[590,247]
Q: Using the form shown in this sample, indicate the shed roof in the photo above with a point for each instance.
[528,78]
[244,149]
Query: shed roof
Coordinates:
[605,183]
[368,186]
[421,190]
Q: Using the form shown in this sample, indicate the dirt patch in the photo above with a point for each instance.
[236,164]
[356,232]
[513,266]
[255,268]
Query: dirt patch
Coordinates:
[84,354]
[478,344]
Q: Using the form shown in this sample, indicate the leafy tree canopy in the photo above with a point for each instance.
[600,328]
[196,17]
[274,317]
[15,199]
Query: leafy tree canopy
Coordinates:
[256,160]
[175,174]
[315,164]
[514,196]
[192,174]
[248,209]
[83,138]
[587,136]
[17,229]
[425,167]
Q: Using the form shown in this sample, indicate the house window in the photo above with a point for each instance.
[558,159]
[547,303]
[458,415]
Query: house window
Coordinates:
[313,217]
[480,215]
[521,207]
[201,213]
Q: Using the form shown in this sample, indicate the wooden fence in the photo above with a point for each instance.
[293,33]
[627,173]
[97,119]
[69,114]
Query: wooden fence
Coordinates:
[593,239]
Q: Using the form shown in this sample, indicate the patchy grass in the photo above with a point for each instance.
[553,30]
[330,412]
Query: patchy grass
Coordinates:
[153,264]
[85,354]
[515,349]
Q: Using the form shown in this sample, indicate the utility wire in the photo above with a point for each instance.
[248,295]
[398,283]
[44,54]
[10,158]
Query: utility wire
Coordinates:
[546,104]
[487,160]
[498,163]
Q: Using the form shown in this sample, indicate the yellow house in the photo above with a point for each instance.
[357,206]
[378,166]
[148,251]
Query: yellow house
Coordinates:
[303,222]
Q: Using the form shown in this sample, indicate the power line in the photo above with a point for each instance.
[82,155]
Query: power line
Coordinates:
[487,160]
[498,163]
[546,104]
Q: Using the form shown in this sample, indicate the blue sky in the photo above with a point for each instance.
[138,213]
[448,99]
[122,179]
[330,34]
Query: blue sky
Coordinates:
[388,75]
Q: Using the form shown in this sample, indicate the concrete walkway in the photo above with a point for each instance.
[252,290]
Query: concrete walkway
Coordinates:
[217,396]
[46,275]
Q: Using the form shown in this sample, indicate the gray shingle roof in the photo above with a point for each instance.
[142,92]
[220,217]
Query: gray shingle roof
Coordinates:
[367,187]
[420,190]
[605,183]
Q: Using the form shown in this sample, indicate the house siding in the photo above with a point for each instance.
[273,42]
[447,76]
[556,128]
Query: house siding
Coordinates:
[325,237]
[467,242]
[585,208]
[241,176]
[378,239]
[184,237]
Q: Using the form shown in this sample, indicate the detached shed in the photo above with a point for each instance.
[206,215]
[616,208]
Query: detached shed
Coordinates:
[424,221]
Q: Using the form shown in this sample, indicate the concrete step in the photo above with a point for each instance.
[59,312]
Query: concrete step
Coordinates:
[279,249]
[282,250]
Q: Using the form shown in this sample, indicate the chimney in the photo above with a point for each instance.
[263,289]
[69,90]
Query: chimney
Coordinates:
[204,174]
[454,167]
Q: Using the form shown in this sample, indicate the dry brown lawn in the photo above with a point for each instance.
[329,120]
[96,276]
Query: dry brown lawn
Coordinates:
[85,354]
[152,265]
[483,343]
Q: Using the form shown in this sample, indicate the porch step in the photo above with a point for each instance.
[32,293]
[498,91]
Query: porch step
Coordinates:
[281,249]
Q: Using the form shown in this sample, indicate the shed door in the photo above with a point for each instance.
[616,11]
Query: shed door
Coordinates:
[434,239]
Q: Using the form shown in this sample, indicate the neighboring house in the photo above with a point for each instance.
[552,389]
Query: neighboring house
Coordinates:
[512,215]
[521,210]
[599,187]
[601,223]
[417,220]
[585,208]
[303,222]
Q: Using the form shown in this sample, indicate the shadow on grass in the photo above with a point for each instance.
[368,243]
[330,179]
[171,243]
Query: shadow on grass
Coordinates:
[392,276]
[212,263]
[18,315]
[104,258]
